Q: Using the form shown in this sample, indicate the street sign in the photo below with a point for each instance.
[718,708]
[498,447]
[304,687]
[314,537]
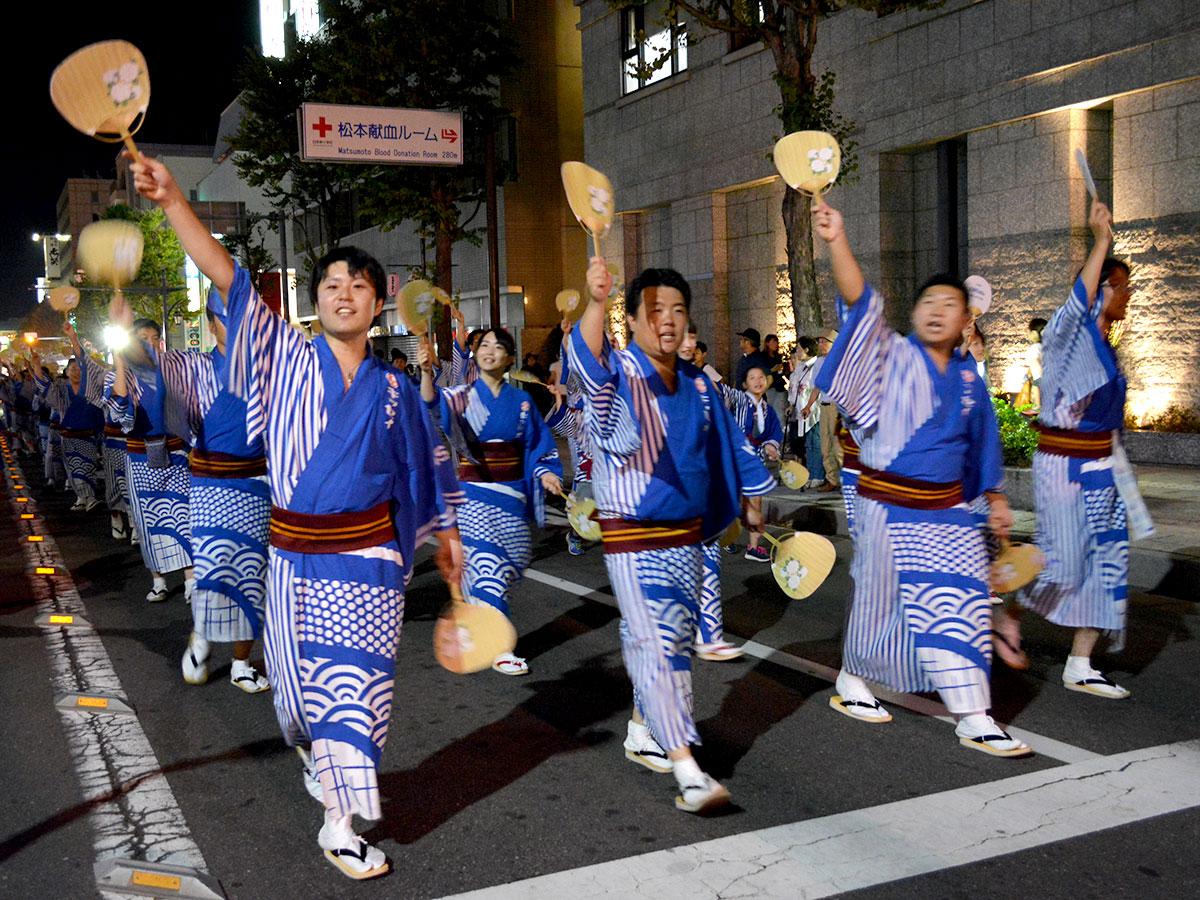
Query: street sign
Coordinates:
[380,135]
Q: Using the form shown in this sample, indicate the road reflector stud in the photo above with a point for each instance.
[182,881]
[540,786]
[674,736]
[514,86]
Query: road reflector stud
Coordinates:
[26,515]
[146,879]
[35,539]
[94,703]
[61,620]
[44,570]
[22,499]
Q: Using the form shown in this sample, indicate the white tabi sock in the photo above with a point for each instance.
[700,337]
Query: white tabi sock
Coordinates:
[160,583]
[687,772]
[1078,668]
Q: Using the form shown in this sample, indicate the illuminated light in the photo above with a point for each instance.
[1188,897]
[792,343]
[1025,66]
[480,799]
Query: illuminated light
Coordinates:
[30,337]
[116,337]
[156,880]
[271,17]
[35,539]
[62,237]
[26,515]
[22,499]
[92,702]
[36,237]
[44,570]
[61,620]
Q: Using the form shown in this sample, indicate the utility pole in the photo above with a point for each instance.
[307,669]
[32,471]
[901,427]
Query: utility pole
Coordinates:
[283,268]
[493,240]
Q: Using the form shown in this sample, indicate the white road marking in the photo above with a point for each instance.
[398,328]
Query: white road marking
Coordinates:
[1046,746]
[866,847]
[134,813]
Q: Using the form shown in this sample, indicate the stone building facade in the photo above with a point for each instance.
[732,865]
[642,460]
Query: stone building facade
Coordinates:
[968,119]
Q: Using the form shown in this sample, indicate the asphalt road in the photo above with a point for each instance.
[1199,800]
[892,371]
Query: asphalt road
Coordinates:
[490,779]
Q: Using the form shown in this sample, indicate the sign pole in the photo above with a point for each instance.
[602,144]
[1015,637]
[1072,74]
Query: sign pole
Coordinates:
[284,290]
[493,240]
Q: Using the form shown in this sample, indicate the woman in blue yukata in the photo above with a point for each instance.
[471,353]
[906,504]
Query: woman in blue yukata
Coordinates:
[506,460]
[920,619]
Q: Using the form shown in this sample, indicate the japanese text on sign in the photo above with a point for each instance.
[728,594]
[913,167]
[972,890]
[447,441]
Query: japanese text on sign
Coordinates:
[380,135]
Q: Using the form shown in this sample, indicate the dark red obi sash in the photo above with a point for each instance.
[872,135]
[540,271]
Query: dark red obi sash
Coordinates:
[908,492]
[224,465]
[80,434]
[1079,444]
[113,431]
[628,536]
[498,461]
[331,532]
[138,445]
[849,449]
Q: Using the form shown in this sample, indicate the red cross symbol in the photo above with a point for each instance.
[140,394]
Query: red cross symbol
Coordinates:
[321,126]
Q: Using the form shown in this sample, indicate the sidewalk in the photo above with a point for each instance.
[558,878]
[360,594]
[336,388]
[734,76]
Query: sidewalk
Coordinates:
[1166,564]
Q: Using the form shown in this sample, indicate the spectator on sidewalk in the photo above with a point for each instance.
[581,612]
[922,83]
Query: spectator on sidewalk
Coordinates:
[777,376]
[752,356]
[805,407]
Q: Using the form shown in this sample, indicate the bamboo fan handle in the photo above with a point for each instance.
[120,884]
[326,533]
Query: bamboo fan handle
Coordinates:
[596,243]
[127,139]
[770,537]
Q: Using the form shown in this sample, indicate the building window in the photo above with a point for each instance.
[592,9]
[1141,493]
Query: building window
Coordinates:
[653,52]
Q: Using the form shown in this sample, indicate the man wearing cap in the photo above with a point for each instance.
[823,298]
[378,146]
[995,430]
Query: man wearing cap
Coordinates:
[752,357]
[831,450]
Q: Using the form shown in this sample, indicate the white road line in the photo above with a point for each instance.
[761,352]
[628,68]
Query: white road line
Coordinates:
[1046,746]
[135,815]
[880,844]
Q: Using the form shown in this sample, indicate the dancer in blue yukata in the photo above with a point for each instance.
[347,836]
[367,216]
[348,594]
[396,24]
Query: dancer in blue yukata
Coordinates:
[230,506]
[80,423]
[921,618]
[507,459]
[1082,500]
[666,479]
[357,483]
[156,469]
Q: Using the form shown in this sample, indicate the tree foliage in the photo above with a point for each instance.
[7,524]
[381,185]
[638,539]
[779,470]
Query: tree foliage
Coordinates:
[427,54]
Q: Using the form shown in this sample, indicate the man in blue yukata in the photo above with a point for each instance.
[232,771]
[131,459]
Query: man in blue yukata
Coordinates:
[920,619]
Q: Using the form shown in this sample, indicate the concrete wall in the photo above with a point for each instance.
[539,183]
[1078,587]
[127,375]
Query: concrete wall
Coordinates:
[1023,82]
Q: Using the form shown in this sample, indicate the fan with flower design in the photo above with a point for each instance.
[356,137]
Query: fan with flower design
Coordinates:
[1015,567]
[581,515]
[590,195]
[809,161]
[801,563]
[103,90]
[416,303]
[469,636]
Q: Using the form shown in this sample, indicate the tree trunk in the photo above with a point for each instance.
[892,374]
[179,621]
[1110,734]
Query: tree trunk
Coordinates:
[443,266]
[802,270]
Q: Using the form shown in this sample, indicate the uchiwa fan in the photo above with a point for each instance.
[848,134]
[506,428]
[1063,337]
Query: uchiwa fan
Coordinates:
[809,161]
[468,637]
[103,90]
[111,252]
[416,303]
[979,294]
[590,195]
[801,563]
[793,475]
[570,304]
[64,299]
[1015,567]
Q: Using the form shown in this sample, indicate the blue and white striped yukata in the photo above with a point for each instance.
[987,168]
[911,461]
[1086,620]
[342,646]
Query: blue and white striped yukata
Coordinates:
[81,423]
[499,505]
[230,508]
[920,619]
[664,459]
[1081,518]
[158,497]
[334,615]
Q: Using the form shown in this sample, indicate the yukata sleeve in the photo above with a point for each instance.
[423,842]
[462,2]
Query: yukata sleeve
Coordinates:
[95,379]
[446,410]
[852,374]
[182,373]
[458,364]
[984,469]
[433,486]
[258,343]
[773,434]
[1075,361]
[542,449]
[608,418]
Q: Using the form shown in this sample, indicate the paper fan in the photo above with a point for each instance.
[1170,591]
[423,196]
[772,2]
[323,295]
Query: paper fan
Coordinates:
[590,195]
[103,90]
[809,161]
[63,299]
[979,294]
[570,304]
[111,251]
[1016,566]
[793,475]
[416,302]
[467,638]
[801,563]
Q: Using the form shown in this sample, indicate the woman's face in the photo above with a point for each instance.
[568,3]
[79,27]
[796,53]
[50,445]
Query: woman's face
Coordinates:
[492,356]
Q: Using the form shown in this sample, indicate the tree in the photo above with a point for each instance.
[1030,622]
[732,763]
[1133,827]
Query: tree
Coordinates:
[267,148]
[788,28]
[425,54]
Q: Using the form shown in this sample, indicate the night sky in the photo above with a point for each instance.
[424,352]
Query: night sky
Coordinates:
[193,51]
